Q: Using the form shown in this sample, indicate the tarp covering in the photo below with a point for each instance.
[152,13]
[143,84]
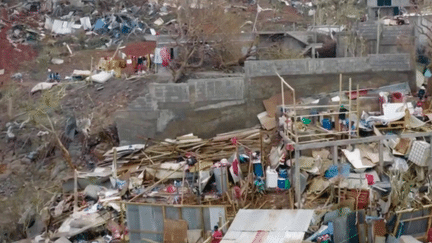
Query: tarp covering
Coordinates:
[85,23]
[42,86]
[99,24]
[62,27]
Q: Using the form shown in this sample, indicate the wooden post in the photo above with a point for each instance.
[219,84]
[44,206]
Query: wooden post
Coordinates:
[349,111]
[335,154]
[75,191]
[122,219]
[297,178]
[115,163]
[381,155]
[283,97]
[262,150]
[182,186]
[378,32]
[202,221]
[430,158]
[199,179]
[358,111]
[338,126]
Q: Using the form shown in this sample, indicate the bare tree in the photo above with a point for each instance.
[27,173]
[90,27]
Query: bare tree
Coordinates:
[41,111]
[338,12]
[206,36]
[423,25]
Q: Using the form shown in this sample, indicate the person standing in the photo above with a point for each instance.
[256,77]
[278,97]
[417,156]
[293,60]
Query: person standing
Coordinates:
[217,235]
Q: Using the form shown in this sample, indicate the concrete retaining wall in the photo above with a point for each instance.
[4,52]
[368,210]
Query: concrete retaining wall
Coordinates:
[379,63]
[209,106]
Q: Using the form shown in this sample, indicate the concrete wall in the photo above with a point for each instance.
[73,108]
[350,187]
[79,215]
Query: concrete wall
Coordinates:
[374,63]
[198,106]
[209,106]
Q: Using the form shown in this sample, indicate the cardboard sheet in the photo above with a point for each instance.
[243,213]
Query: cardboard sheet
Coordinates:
[175,231]
[272,103]
[356,160]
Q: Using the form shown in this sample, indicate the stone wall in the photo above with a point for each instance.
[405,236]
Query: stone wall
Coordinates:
[383,62]
[216,105]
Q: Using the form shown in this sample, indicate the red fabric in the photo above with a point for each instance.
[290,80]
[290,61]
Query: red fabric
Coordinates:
[166,56]
[429,235]
[217,237]
[370,179]
[234,140]
[235,167]
[290,147]
[170,189]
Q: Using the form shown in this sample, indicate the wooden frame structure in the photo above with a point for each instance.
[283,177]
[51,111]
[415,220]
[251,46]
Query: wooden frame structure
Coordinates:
[295,136]
[337,143]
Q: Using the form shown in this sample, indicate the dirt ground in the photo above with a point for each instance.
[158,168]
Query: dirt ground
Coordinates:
[11,58]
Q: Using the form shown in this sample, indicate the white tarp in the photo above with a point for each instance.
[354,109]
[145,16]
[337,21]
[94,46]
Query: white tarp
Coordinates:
[158,57]
[101,77]
[62,27]
[42,86]
[48,23]
[392,112]
[84,73]
[85,23]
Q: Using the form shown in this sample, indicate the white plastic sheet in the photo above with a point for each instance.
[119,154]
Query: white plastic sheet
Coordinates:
[102,77]
[42,86]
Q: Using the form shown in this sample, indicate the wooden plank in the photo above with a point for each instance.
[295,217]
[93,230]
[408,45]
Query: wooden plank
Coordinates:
[175,231]
[297,177]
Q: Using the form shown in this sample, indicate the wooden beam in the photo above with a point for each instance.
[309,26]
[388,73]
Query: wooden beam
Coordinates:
[335,154]
[297,178]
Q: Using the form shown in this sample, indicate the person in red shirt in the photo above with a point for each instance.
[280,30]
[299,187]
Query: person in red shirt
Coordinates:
[217,235]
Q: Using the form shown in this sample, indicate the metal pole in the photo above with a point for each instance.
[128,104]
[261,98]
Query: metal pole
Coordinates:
[297,178]
[283,98]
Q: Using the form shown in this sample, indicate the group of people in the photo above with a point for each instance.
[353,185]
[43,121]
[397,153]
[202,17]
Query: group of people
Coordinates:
[53,77]
[142,63]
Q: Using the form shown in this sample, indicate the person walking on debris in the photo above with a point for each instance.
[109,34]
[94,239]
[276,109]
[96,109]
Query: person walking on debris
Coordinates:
[57,77]
[342,117]
[422,92]
[217,235]
[140,64]
[237,195]
[51,76]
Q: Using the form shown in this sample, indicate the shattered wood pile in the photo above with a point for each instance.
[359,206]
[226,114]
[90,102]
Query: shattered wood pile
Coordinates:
[206,150]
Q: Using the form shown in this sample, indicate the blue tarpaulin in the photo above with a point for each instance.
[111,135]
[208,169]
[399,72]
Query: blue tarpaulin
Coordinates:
[427,74]
[99,24]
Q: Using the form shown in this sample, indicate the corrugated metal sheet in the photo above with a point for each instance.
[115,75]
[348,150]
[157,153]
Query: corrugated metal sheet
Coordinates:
[271,237]
[272,220]
[275,226]
[146,221]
